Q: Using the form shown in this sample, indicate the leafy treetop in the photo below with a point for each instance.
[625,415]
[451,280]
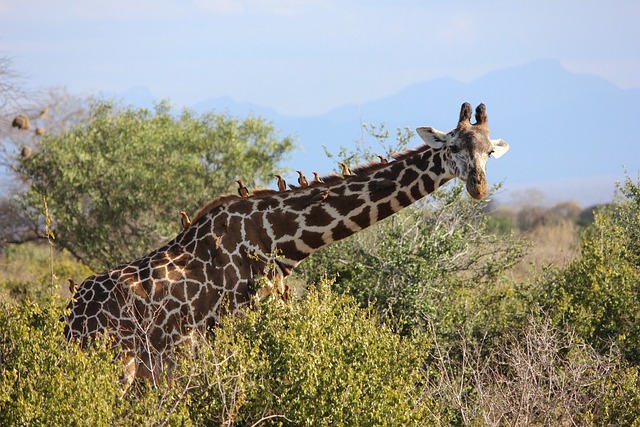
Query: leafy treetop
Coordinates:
[115,185]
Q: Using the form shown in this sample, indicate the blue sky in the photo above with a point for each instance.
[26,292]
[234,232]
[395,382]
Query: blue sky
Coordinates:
[306,57]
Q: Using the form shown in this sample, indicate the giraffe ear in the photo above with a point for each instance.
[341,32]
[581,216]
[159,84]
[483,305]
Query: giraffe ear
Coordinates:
[432,137]
[499,147]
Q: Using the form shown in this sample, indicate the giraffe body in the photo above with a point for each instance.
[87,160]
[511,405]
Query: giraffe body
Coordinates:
[212,267]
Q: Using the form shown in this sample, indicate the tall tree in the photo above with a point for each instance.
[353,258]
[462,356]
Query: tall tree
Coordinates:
[115,184]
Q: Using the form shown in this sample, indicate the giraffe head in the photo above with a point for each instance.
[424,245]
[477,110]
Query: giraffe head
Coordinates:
[467,148]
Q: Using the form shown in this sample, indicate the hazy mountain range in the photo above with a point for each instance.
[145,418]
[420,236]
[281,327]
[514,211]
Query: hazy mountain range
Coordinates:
[571,135]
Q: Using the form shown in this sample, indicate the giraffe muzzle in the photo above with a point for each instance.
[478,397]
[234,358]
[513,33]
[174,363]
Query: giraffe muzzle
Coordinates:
[477,186]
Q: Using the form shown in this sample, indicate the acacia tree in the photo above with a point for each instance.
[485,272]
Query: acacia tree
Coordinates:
[115,184]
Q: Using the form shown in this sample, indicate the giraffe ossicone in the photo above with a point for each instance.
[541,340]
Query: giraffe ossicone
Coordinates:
[212,267]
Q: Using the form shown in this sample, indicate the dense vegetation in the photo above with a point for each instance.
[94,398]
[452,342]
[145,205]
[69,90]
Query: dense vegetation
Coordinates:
[425,319]
[115,184]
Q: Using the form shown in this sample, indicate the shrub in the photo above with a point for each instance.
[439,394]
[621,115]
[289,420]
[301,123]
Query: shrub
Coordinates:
[422,264]
[47,381]
[599,293]
[620,402]
[320,362]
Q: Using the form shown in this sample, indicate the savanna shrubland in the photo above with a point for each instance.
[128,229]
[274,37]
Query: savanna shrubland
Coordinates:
[321,361]
[419,320]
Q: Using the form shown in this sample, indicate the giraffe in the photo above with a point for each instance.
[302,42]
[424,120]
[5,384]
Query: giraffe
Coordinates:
[213,267]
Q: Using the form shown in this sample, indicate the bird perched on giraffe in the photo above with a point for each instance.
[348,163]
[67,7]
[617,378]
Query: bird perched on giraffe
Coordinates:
[318,197]
[302,180]
[345,169]
[282,184]
[242,190]
[184,219]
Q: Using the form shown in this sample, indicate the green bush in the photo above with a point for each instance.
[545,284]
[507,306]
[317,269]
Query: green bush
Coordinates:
[598,294]
[322,361]
[319,362]
[619,402]
[423,264]
[47,381]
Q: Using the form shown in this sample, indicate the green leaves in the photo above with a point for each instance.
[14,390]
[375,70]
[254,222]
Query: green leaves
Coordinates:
[320,362]
[47,381]
[599,293]
[422,264]
[116,184]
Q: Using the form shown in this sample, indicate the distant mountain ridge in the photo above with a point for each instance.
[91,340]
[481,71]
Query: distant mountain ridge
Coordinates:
[563,127]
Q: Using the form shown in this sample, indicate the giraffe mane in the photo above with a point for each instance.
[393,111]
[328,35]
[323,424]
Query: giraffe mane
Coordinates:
[408,152]
[213,204]
[259,193]
[228,198]
[361,170]
[374,166]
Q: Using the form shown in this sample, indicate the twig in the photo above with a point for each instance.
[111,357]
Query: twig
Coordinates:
[268,418]
[50,238]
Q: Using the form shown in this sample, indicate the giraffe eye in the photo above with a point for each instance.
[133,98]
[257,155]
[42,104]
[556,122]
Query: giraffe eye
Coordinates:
[454,149]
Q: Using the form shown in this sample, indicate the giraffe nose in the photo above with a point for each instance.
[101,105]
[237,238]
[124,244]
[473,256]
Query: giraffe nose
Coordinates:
[477,186]
[477,193]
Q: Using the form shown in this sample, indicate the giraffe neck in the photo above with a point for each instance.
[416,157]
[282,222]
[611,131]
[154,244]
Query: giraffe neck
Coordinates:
[371,195]
[287,227]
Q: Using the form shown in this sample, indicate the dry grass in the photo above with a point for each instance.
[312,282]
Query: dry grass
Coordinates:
[25,270]
[551,245]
